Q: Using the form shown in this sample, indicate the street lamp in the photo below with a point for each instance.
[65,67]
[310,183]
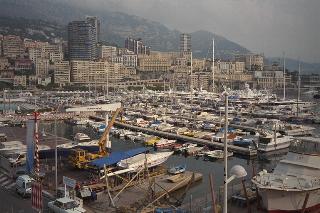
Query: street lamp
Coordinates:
[236,171]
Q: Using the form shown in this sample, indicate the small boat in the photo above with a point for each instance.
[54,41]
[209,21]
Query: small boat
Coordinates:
[193,150]
[81,137]
[177,169]
[151,141]
[242,142]
[177,147]
[164,143]
[217,154]
[43,133]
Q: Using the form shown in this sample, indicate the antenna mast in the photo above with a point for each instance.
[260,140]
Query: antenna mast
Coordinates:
[212,64]
[284,76]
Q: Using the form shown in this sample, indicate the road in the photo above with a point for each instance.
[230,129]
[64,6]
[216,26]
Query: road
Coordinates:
[11,202]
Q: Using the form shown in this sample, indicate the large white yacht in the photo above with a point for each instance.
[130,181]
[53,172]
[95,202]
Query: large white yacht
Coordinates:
[271,142]
[292,186]
[138,162]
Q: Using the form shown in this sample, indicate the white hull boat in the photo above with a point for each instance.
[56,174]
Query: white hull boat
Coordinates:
[271,143]
[138,162]
[165,143]
[294,181]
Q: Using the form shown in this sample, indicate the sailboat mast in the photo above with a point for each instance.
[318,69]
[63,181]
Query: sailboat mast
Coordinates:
[284,76]
[191,70]
[191,80]
[299,79]
[212,64]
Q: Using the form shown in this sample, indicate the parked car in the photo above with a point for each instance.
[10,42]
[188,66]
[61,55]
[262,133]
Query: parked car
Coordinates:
[23,185]
[65,205]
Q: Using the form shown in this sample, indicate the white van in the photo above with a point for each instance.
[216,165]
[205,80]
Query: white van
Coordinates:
[23,185]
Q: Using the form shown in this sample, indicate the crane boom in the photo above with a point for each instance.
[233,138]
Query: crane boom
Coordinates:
[103,139]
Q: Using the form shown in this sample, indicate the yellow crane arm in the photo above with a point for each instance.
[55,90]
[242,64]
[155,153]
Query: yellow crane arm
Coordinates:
[103,139]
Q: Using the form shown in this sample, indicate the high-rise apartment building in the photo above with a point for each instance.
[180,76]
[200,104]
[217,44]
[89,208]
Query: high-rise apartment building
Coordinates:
[107,52]
[137,46]
[95,22]
[153,63]
[252,62]
[83,39]
[62,73]
[42,67]
[185,43]
[12,46]
[130,60]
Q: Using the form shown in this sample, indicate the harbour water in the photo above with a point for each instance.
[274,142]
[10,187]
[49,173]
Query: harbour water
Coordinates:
[198,165]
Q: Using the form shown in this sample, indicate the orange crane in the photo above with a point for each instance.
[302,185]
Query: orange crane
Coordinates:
[104,137]
[80,158]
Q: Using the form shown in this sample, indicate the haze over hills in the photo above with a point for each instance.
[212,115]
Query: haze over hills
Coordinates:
[117,26]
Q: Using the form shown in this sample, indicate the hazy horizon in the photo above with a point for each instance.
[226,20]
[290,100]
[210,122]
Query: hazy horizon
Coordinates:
[270,27]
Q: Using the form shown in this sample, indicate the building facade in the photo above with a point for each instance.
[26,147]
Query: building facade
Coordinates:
[107,52]
[130,60]
[137,46]
[12,46]
[20,80]
[153,63]
[62,73]
[185,43]
[42,67]
[82,41]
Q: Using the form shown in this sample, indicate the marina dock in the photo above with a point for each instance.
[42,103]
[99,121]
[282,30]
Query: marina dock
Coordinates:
[145,191]
[235,149]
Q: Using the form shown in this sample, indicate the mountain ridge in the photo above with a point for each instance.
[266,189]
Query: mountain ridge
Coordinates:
[116,26]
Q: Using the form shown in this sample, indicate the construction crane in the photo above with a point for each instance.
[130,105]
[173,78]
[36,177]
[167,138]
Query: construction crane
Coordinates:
[80,158]
[105,135]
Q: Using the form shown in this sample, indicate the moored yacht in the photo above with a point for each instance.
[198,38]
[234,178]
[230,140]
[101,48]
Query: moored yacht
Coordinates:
[165,143]
[292,186]
[271,142]
[138,162]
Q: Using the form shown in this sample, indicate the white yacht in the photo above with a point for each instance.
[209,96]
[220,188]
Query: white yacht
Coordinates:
[295,182]
[217,154]
[80,139]
[138,162]
[272,142]
[296,130]
[165,143]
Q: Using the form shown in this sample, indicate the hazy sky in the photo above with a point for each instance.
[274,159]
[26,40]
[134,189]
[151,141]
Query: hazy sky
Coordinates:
[263,26]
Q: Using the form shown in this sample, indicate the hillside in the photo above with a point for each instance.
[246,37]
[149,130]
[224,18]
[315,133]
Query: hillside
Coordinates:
[117,26]
[34,29]
[292,64]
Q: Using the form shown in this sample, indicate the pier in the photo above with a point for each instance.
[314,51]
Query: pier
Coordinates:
[145,193]
[235,149]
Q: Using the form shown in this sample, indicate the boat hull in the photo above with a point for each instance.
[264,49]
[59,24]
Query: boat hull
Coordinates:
[289,201]
[274,147]
[152,161]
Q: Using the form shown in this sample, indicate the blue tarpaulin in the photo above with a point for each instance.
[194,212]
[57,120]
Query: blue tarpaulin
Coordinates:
[115,157]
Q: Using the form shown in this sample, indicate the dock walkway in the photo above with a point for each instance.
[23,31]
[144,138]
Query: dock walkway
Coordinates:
[144,192]
[235,149]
